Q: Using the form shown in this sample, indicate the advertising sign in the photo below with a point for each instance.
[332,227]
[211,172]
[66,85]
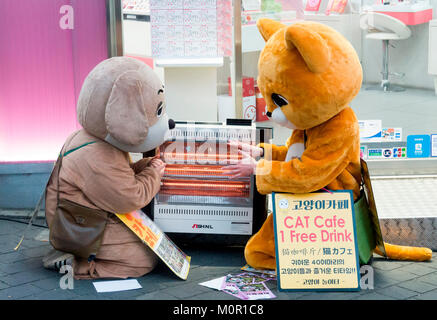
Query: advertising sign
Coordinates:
[418,146]
[434,145]
[315,237]
[158,241]
[391,134]
[370,130]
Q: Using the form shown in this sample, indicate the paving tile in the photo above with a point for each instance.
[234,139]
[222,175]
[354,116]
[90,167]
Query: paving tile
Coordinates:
[380,280]
[431,295]
[373,296]
[31,243]
[187,290]
[36,252]
[330,296]
[9,239]
[214,295]
[418,269]
[397,292]
[385,264]
[27,276]
[167,280]
[121,295]
[157,295]
[289,295]
[19,292]
[20,266]
[12,257]
[83,287]
[47,284]
[418,286]
[430,278]
[199,274]
[89,297]
[7,249]
[432,263]
[3,285]
[400,275]
[56,294]
[153,285]
[11,228]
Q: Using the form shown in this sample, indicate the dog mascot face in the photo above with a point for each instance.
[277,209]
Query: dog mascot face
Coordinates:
[122,102]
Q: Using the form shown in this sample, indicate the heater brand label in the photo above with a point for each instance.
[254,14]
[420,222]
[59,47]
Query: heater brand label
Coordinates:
[202,226]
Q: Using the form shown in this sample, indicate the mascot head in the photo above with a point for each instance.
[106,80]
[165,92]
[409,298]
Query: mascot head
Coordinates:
[122,102]
[308,73]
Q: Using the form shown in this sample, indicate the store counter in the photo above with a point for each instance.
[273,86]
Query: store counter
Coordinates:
[410,14]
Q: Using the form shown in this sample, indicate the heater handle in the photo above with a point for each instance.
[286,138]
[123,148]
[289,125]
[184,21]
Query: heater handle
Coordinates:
[239,122]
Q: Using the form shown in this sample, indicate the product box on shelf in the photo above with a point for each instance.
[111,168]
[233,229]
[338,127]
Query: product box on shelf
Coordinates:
[248,86]
[249,99]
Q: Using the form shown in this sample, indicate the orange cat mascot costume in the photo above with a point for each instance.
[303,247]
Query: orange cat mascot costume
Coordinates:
[308,74]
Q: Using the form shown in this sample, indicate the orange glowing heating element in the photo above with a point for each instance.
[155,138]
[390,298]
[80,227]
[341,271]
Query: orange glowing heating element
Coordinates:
[195,170]
[204,152]
[206,188]
[175,156]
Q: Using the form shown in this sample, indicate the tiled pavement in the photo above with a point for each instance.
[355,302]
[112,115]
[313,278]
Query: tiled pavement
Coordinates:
[23,277]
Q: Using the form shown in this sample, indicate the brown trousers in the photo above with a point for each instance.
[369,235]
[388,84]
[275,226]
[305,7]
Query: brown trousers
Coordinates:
[121,255]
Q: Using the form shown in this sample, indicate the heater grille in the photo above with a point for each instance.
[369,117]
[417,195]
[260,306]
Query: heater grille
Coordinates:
[193,211]
[217,134]
[198,194]
[206,187]
[204,200]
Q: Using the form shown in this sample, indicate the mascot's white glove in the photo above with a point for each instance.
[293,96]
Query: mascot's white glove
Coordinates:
[247,165]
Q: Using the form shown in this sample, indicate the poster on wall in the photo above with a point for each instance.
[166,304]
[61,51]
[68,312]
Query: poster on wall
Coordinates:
[391,134]
[313,5]
[315,238]
[434,145]
[370,130]
[418,146]
[197,28]
[136,7]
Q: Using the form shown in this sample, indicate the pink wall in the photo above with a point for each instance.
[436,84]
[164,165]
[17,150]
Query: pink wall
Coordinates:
[42,68]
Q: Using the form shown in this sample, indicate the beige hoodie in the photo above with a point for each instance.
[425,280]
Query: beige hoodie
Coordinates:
[101,176]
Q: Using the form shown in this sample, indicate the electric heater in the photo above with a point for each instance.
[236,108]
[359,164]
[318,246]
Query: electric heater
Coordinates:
[198,195]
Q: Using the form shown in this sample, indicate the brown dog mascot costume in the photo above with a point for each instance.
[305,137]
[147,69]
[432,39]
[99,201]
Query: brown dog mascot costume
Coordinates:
[308,74]
[121,109]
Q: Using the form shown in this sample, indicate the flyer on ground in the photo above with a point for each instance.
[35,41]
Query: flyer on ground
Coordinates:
[315,239]
[158,241]
[247,286]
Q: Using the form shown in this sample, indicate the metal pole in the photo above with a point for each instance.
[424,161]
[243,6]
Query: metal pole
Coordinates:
[237,63]
[114,28]
[385,82]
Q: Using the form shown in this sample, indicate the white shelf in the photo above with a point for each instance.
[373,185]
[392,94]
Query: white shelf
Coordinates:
[400,7]
[136,12]
[189,62]
[345,23]
[251,38]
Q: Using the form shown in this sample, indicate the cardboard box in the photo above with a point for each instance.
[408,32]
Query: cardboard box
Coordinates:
[249,108]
